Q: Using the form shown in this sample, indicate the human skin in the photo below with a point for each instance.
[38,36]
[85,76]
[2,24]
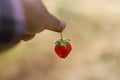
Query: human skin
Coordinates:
[38,19]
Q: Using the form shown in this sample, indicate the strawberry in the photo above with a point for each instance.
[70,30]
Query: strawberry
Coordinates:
[63,47]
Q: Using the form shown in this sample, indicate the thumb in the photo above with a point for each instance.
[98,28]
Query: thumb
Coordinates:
[55,24]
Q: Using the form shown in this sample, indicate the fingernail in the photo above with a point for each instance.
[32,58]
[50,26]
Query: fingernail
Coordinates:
[63,25]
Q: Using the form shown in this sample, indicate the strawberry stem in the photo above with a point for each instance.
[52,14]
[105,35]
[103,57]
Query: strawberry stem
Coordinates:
[61,36]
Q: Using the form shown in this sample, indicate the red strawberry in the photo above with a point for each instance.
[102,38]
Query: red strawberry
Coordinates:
[63,48]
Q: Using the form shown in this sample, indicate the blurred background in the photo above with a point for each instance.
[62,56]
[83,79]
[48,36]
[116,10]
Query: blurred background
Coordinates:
[93,26]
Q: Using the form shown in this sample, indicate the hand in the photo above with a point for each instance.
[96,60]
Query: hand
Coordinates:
[38,19]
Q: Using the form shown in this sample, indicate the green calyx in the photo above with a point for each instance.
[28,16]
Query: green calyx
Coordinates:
[62,42]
